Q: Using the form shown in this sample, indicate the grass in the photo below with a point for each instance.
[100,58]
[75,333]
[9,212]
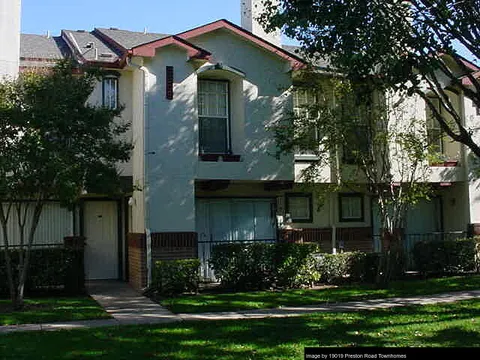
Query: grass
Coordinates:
[214,302]
[446,325]
[52,309]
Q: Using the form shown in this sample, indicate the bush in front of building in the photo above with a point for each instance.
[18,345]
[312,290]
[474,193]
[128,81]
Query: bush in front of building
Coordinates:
[172,277]
[347,267]
[435,257]
[295,265]
[51,268]
[254,266]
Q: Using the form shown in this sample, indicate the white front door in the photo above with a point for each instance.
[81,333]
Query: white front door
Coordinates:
[232,220]
[101,232]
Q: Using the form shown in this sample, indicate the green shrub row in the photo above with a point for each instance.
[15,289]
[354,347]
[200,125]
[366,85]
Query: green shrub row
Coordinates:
[176,276]
[50,268]
[447,256]
[261,265]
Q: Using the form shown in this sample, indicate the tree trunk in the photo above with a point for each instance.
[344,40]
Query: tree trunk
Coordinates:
[8,259]
[390,258]
[26,260]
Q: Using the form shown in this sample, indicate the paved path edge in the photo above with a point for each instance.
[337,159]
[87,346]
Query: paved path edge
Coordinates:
[290,311]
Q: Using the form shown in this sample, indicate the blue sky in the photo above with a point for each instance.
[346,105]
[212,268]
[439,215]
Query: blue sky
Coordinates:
[163,16]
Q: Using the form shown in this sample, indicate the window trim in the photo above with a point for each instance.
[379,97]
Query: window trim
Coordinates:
[111,76]
[228,149]
[341,196]
[297,108]
[310,206]
[434,126]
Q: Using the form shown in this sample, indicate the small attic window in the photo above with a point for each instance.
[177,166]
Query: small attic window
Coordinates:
[110,90]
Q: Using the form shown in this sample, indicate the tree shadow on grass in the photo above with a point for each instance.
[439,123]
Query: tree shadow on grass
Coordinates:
[273,338]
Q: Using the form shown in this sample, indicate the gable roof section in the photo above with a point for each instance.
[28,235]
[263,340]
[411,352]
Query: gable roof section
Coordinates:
[89,47]
[148,49]
[194,51]
[128,39]
[295,61]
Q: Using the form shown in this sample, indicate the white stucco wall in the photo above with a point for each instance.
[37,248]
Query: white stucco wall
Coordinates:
[137,207]
[266,99]
[250,11]
[472,123]
[10,37]
[171,158]
[125,98]
[171,144]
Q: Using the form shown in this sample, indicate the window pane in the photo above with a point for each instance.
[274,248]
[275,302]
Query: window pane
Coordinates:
[299,207]
[213,113]
[213,135]
[351,207]
[110,88]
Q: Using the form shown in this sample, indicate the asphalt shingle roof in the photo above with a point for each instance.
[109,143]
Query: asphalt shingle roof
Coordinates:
[297,50]
[42,47]
[88,42]
[130,39]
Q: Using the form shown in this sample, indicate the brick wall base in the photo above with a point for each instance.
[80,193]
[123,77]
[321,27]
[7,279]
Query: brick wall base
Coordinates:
[348,239]
[174,246]
[137,260]
[323,237]
[473,229]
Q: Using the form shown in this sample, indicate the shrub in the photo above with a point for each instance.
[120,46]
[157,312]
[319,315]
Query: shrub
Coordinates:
[254,266]
[294,264]
[172,277]
[50,268]
[348,267]
[447,256]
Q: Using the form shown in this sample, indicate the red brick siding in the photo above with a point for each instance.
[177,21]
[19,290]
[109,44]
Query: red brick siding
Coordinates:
[323,237]
[355,239]
[174,245]
[137,260]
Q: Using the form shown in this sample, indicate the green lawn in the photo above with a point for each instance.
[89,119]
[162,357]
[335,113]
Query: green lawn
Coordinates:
[274,299]
[52,309]
[447,325]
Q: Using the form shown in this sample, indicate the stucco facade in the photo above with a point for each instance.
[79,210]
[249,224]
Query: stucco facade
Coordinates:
[181,199]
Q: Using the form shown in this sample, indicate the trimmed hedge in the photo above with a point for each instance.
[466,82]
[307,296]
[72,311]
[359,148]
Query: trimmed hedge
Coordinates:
[252,266]
[172,277]
[348,267]
[447,256]
[50,268]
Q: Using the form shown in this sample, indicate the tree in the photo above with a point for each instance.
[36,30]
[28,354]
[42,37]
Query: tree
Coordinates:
[372,145]
[410,46]
[53,145]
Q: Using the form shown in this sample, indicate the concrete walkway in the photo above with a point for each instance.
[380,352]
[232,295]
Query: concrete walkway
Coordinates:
[128,307]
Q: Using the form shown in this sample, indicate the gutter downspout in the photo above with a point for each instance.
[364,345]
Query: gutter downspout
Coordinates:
[146,85]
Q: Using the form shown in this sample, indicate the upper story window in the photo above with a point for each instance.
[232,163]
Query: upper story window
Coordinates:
[356,145]
[110,91]
[214,119]
[303,99]
[434,132]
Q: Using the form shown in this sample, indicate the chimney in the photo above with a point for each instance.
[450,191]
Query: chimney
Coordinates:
[9,37]
[250,11]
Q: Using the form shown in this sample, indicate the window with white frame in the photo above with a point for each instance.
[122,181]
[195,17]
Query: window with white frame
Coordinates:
[299,207]
[434,132]
[213,113]
[110,91]
[351,207]
[303,99]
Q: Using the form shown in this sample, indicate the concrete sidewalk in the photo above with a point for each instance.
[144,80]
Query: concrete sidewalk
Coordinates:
[128,307]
